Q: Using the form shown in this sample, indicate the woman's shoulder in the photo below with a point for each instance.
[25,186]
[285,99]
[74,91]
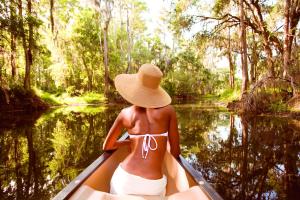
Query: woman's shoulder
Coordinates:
[127,111]
[126,116]
[165,111]
[168,108]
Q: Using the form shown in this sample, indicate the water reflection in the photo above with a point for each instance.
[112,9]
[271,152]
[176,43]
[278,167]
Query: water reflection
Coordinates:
[244,158]
[39,158]
[258,160]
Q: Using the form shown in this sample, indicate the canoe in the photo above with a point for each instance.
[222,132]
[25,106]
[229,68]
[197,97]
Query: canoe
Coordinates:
[184,182]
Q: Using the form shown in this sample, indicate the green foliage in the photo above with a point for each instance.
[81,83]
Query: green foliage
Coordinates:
[230,94]
[86,56]
[278,106]
[90,110]
[47,97]
[270,96]
[188,77]
[68,62]
[142,53]
[69,66]
[67,99]
[179,83]
[179,20]
[92,98]
[219,6]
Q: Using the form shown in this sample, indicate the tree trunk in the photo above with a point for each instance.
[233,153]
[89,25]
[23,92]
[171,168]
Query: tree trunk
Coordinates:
[24,42]
[291,71]
[231,65]
[30,39]
[261,29]
[27,83]
[89,74]
[98,17]
[231,68]
[270,63]
[287,49]
[107,15]
[243,50]
[13,56]
[287,33]
[13,40]
[51,15]
[254,61]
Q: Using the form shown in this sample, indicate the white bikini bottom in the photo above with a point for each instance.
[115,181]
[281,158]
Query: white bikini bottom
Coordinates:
[123,182]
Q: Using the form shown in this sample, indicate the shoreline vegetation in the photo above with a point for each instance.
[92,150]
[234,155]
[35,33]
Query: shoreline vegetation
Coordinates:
[35,100]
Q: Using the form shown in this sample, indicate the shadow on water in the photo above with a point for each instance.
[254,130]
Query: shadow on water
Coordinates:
[243,158]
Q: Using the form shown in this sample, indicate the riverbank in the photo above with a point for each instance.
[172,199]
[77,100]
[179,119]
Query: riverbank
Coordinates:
[37,100]
[276,101]
[19,100]
[265,105]
[60,99]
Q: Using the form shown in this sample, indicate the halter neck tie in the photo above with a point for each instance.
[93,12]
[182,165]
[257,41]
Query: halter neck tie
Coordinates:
[147,145]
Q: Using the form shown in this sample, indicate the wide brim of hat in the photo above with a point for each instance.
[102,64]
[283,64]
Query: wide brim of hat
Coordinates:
[131,89]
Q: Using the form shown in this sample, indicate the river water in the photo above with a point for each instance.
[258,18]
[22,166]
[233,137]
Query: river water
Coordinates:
[242,157]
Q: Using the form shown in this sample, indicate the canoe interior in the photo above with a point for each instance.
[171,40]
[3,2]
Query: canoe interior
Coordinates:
[184,182]
[178,179]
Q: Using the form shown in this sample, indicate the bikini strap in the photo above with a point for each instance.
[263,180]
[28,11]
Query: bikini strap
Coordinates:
[147,145]
[142,135]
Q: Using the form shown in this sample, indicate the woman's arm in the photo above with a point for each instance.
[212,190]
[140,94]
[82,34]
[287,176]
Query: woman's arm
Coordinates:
[115,131]
[173,134]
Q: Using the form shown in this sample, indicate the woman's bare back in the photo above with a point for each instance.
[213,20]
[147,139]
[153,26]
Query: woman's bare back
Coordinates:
[140,121]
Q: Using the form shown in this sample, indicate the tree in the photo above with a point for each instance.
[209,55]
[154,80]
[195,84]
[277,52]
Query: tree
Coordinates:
[106,15]
[29,47]
[27,42]
[51,15]
[25,45]
[13,38]
[291,19]
[243,49]
[253,59]
[230,60]
[85,37]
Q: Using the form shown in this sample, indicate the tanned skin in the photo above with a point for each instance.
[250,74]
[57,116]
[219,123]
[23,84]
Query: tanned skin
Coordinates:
[138,120]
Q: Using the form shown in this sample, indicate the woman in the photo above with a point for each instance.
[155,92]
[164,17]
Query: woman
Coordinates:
[150,123]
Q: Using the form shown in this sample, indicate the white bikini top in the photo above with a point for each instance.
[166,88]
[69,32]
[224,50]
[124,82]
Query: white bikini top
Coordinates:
[147,142]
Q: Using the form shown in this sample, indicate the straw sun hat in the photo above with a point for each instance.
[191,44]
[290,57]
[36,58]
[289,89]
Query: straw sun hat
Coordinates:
[142,89]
